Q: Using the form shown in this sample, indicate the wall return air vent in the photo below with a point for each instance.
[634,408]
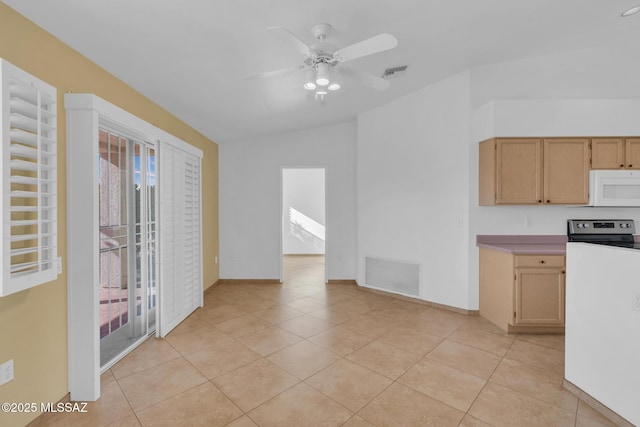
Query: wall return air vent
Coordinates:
[401,277]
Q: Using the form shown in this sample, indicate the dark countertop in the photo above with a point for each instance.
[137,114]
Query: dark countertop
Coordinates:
[524,244]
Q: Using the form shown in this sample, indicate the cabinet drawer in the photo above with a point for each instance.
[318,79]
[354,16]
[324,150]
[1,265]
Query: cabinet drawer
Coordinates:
[539,261]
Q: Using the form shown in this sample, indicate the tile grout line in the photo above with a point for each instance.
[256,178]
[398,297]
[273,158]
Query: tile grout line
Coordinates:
[340,357]
[135,414]
[519,392]
[535,366]
[394,381]
[210,380]
[487,382]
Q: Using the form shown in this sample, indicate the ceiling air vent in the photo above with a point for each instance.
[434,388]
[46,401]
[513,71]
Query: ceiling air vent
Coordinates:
[392,73]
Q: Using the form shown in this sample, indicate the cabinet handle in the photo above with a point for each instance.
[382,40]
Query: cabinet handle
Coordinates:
[630,166]
[539,201]
[548,201]
[621,166]
[542,262]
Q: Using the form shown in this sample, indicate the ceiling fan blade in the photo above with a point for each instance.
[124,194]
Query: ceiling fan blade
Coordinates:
[366,79]
[375,44]
[300,46]
[274,73]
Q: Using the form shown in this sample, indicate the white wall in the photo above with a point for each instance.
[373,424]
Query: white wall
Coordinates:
[413,181]
[303,213]
[608,72]
[250,199]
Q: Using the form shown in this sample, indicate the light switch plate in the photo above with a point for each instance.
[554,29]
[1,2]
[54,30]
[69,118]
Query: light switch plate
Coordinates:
[6,372]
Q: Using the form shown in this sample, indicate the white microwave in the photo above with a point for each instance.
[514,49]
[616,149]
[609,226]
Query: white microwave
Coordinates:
[614,188]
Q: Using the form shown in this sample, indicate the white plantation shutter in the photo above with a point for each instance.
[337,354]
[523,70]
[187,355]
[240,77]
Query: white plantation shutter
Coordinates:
[180,234]
[192,234]
[28,180]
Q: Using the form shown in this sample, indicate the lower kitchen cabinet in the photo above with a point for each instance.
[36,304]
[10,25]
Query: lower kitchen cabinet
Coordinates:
[522,293]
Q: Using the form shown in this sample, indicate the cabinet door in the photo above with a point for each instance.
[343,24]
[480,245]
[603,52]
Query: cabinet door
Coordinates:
[566,171]
[607,153]
[632,153]
[539,296]
[518,167]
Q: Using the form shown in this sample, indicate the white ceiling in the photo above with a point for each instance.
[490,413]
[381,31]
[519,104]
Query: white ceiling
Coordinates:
[190,56]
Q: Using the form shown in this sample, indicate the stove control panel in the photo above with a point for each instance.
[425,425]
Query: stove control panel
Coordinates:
[601,226]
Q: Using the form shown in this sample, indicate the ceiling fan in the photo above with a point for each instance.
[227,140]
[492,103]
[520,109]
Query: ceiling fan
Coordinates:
[322,61]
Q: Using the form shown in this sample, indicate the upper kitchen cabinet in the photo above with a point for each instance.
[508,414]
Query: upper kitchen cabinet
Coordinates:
[534,171]
[510,171]
[615,153]
[632,153]
[566,171]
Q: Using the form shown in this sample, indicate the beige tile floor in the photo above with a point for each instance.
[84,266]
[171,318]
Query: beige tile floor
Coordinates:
[307,354]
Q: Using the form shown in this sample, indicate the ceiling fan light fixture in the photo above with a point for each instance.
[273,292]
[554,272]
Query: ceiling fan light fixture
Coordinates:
[321,59]
[310,80]
[631,11]
[323,74]
[322,81]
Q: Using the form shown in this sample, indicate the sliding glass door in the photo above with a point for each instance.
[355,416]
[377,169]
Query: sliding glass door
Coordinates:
[128,241]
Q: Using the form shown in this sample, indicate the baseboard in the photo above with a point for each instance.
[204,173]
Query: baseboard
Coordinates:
[454,309]
[350,282]
[419,301]
[296,255]
[43,418]
[595,404]
[250,281]
[212,285]
[546,330]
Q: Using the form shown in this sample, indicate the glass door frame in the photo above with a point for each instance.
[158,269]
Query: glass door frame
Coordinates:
[138,326]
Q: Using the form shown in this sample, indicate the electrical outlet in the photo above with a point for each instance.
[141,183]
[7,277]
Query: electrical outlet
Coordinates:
[636,301]
[216,260]
[6,372]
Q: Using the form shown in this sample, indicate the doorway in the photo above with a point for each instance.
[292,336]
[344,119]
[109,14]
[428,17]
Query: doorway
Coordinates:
[303,237]
[128,238]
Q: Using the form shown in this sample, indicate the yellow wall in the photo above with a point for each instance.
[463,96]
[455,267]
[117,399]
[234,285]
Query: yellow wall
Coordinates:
[33,323]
